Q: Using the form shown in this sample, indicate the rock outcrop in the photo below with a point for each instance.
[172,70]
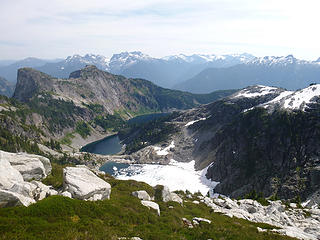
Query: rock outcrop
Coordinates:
[302,223]
[15,170]
[84,184]
[12,199]
[29,165]
[8,174]
[150,204]
[142,195]
[170,196]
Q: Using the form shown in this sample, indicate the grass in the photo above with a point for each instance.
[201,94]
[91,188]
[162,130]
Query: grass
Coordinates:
[55,179]
[59,217]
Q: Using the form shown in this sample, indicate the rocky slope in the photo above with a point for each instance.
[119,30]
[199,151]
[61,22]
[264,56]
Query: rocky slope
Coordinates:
[261,139]
[85,107]
[287,72]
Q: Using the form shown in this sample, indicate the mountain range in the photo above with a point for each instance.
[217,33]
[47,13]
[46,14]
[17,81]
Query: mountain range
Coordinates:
[197,73]
[286,72]
[164,72]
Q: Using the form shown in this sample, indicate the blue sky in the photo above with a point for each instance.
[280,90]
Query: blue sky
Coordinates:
[58,28]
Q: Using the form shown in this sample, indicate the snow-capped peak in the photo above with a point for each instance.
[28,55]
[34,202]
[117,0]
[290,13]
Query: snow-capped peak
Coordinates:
[256,91]
[124,59]
[204,58]
[128,57]
[296,100]
[274,60]
[88,59]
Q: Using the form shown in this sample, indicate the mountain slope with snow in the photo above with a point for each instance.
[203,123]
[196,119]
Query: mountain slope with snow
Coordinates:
[263,139]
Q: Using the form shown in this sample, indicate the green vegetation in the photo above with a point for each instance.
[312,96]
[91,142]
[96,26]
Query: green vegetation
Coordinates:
[140,135]
[55,179]
[83,129]
[96,108]
[67,139]
[123,215]
[15,143]
[53,144]
[258,197]
[110,122]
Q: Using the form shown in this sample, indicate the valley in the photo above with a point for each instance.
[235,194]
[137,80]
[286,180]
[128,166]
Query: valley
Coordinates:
[257,144]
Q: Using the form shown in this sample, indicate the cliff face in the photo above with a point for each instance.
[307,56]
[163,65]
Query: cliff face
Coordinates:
[31,82]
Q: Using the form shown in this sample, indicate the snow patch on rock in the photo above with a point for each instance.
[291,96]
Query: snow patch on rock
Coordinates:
[164,151]
[192,122]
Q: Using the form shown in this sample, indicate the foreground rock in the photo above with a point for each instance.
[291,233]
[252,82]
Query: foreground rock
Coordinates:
[8,175]
[12,199]
[170,196]
[150,204]
[142,195]
[84,184]
[15,169]
[29,165]
[294,222]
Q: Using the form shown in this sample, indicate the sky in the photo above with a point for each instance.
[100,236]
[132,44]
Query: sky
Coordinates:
[59,28]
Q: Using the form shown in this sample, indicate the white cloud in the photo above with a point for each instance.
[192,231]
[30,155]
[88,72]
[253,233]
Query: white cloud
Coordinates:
[58,28]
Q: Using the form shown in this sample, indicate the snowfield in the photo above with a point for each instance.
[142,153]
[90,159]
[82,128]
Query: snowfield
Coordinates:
[258,91]
[176,175]
[295,100]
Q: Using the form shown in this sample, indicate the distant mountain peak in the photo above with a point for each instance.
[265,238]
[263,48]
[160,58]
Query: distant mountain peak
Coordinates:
[278,60]
[209,58]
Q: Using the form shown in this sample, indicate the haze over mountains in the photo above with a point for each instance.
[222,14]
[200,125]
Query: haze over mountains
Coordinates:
[197,73]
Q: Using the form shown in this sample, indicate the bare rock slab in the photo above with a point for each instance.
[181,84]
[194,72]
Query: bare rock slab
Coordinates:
[150,204]
[12,199]
[84,184]
[142,195]
[29,165]
[8,175]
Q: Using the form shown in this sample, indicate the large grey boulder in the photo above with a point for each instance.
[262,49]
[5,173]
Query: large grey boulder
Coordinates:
[29,165]
[8,175]
[170,196]
[24,188]
[43,191]
[142,195]
[84,184]
[150,204]
[15,170]
[12,199]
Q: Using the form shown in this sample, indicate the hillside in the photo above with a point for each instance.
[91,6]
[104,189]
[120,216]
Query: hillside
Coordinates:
[260,139]
[88,106]
[115,93]
[59,214]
